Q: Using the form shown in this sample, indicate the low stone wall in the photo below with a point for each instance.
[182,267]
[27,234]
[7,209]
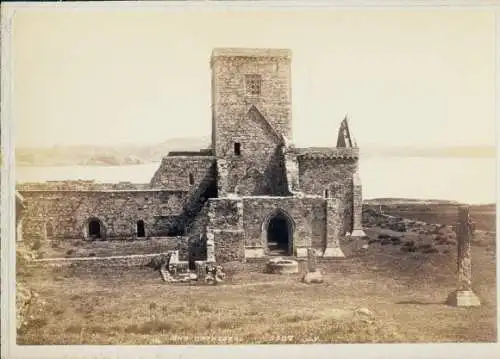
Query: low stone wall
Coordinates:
[80,248]
[439,232]
[101,262]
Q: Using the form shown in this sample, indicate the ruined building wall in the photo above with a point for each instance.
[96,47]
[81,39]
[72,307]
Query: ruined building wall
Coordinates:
[334,175]
[68,212]
[307,214]
[255,170]
[174,172]
[225,228]
[255,121]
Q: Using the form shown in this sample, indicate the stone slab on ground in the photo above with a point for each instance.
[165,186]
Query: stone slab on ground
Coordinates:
[313,277]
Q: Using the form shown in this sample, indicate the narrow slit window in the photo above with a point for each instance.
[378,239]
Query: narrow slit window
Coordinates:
[191,179]
[327,193]
[237,149]
[141,231]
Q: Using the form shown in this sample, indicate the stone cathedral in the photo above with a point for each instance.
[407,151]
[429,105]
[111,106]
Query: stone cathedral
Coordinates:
[252,192]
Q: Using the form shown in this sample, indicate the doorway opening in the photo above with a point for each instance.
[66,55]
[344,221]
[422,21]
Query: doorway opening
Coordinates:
[279,234]
[94,229]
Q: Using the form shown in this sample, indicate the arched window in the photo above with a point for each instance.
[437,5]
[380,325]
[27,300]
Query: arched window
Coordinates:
[191,179]
[327,193]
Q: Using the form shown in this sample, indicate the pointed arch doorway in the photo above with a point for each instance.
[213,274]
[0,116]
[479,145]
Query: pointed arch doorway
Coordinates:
[277,232]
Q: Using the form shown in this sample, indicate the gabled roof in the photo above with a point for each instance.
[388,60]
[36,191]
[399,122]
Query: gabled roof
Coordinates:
[258,114]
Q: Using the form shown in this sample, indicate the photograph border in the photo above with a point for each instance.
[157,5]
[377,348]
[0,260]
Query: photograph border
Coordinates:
[9,349]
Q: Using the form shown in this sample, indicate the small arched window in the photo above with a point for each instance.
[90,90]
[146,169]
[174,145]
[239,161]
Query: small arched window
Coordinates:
[191,179]
[326,193]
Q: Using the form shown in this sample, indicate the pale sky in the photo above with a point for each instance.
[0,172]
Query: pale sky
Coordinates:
[405,78]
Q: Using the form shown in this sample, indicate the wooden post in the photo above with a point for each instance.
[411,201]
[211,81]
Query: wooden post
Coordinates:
[464,296]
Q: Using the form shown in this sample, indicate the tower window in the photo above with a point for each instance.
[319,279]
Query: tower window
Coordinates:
[237,149]
[253,84]
[191,179]
[327,193]
[141,231]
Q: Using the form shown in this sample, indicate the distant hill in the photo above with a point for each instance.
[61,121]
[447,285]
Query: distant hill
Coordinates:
[137,154]
[106,155]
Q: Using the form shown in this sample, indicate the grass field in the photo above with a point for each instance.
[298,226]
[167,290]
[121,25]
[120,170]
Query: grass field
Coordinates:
[405,293]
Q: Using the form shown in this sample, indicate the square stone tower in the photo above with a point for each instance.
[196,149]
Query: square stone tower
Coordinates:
[251,113]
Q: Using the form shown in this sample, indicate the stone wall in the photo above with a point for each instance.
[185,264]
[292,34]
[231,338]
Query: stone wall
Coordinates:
[225,227]
[334,175]
[68,212]
[307,214]
[254,170]
[230,99]
[255,122]
[176,172]
[122,248]
[229,245]
[95,263]
[225,213]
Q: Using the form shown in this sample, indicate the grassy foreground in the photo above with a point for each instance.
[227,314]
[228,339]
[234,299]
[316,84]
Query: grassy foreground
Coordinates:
[405,294]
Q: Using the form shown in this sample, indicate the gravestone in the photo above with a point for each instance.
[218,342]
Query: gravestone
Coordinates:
[464,296]
[313,275]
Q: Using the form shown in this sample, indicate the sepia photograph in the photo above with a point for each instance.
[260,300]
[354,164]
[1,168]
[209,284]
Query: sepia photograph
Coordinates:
[222,176]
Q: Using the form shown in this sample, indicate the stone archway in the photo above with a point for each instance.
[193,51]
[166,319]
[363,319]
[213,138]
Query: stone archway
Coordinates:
[277,233]
[94,229]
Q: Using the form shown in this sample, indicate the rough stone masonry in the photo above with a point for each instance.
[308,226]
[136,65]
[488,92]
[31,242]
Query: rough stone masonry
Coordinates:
[251,194]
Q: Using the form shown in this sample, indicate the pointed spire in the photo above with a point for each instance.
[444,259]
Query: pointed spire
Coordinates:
[344,137]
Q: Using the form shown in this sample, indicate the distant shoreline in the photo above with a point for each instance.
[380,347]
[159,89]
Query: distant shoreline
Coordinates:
[130,154]
[98,164]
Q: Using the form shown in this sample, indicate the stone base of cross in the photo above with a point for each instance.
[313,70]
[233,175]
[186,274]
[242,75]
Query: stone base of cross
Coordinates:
[463,298]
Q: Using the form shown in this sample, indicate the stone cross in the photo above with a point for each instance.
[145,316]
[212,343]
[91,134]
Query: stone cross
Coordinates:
[464,265]
[464,296]
[311,260]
